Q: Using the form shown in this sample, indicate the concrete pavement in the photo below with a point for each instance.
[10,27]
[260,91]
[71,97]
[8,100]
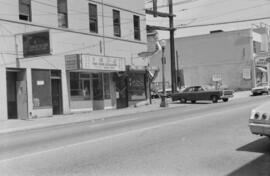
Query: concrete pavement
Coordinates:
[21,125]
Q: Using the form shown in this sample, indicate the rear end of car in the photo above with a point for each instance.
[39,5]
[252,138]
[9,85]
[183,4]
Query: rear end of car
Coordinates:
[259,121]
[259,90]
[226,94]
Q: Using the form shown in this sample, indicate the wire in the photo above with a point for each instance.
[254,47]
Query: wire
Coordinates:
[220,23]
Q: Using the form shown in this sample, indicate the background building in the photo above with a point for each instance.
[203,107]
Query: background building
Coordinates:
[64,56]
[228,59]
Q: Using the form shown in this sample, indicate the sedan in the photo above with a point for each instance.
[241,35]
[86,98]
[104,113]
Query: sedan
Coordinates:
[261,89]
[259,121]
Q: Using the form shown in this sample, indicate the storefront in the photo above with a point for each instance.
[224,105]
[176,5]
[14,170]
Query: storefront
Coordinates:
[262,69]
[138,84]
[92,81]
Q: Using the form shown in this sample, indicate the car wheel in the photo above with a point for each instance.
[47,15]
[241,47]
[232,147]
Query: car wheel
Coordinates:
[225,99]
[193,101]
[214,99]
[182,100]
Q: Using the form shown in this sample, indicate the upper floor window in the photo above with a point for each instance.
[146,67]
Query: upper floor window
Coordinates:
[93,18]
[62,13]
[136,24]
[25,10]
[116,23]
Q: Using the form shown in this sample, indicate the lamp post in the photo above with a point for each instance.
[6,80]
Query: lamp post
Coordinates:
[163,61]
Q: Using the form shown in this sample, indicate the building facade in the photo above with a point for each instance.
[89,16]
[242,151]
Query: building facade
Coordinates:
[228,59]
[66,56]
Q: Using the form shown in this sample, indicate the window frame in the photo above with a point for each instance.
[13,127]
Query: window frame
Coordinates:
[137,28]
[64,13]
[29,5]
[116,15]
[93,18]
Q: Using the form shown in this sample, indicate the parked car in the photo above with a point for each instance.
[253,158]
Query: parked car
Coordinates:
[158,93]
[260,89]
[259,121]
[195,93]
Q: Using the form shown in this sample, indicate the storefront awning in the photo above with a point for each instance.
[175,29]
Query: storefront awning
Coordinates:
[261,69]
[83,62]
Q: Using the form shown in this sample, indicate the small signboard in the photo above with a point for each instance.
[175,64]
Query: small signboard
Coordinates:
[72,62]
[246,74]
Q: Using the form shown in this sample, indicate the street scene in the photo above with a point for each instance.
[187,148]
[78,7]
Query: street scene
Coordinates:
[134,88]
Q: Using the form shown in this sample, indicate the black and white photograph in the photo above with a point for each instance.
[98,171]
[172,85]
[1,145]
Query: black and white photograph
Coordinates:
[134,87]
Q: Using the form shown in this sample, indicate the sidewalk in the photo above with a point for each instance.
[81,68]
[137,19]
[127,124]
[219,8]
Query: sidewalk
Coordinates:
[22,125]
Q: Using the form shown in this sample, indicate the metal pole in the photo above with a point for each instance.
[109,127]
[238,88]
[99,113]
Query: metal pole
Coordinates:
[173,77]
[163,96]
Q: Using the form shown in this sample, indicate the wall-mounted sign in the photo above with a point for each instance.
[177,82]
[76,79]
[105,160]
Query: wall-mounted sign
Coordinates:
[36,44]
[247,73]
[93,62]
[216,77]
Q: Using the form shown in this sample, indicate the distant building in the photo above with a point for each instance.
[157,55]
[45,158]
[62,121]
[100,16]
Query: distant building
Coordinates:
[66,56]
[234,59]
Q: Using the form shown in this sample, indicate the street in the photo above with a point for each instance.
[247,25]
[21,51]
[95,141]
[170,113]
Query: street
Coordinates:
[197,139]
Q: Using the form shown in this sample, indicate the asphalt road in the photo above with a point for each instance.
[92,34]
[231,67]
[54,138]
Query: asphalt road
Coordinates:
[198,139]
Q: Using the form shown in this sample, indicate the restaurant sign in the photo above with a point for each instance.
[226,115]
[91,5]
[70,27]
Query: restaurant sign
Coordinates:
[36,44]
[94,62]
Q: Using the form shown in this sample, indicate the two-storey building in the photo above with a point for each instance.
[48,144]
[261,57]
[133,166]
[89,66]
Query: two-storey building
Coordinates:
[65,56]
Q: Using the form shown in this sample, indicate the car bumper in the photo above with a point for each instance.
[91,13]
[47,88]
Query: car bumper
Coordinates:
[258,91]
[260,129]
[226,96]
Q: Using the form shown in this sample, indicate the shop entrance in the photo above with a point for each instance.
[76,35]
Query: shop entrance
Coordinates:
[17,100]
[121,92]
[56,87]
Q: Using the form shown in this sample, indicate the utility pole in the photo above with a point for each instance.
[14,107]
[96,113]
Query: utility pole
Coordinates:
[171,29]
[173,77]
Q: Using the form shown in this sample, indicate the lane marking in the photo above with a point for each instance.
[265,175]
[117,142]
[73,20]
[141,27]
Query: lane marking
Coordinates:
[117,135]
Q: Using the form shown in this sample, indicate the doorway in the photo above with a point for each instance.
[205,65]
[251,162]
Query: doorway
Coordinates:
[56,87]
[121,91]
[17,100]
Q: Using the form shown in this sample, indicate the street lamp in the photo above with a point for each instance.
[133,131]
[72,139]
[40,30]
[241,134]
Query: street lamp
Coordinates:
[163,61]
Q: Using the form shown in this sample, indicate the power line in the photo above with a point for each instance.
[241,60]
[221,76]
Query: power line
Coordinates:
[221,23]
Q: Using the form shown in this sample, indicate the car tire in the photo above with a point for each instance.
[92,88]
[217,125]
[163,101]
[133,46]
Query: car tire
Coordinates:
[193,101]
[225,99]
[182,100]
[214,99]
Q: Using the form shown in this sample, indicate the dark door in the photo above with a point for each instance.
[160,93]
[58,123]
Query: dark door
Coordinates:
[12,95]
[56,96]
[121,92]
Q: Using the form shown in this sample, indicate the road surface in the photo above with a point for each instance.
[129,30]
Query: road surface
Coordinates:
[197,139]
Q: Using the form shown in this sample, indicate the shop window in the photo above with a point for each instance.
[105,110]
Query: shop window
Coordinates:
[80,85]
[136,24]
[93,18]
[116,23]
[25,10]
[137,90]
[41,88]
[62,13]
[107,92]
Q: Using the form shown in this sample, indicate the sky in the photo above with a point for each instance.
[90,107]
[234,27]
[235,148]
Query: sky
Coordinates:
[196,12]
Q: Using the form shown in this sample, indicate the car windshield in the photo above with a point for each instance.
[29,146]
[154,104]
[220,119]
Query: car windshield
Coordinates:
[261,84]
